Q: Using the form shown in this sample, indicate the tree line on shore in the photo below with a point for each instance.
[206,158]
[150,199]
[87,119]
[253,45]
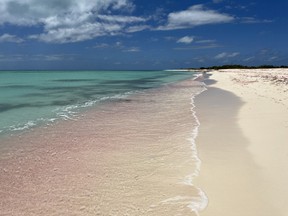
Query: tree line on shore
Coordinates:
[241,67]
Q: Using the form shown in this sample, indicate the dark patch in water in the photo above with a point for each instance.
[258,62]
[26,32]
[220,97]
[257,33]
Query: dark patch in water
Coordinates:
[7,107]
[36,95]
[63,103]
[131,82]
[19,86]
[74,80]
[60,88]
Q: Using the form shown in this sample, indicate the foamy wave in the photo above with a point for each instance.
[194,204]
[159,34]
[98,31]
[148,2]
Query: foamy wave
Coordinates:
[70,112]
[195,204]
[198,203]
[25,126]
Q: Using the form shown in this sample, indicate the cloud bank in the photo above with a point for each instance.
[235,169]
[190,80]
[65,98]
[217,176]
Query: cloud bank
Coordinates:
[194,16]
[70,20]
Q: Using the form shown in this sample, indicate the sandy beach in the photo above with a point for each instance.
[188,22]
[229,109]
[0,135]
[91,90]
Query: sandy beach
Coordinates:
[133,156]
[139,156]
[242,142]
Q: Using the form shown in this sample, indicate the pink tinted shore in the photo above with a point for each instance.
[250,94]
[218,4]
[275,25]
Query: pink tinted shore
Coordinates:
[128,157]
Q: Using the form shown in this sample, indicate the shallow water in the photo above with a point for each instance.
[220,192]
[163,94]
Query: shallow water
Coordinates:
[33,98]
[133,156]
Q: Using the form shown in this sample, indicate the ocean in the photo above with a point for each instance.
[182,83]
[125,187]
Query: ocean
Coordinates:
[99,143]
[32,98]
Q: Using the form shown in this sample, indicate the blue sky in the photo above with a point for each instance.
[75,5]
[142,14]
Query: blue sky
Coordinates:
[138,34]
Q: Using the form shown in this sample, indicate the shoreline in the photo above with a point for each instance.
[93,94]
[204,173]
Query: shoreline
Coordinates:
[145,156]
[131,158]
[242,142]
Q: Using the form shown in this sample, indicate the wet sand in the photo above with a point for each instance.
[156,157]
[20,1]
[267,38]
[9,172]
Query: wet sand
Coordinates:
[129,157]
[137,156]
[242,142]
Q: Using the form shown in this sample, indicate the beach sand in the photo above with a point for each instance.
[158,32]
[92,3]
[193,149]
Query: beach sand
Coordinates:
[129,157]
[137,156]
[243,142]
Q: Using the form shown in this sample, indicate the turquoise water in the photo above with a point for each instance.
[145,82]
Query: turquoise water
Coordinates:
[32,98]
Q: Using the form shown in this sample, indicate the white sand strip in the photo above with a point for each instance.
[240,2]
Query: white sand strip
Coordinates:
[243,142]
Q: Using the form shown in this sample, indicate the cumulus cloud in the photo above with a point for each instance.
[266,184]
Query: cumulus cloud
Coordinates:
[226,55]
[70,20]
[195,16]
[30,12]
[10,38]
[186,40]
[82,32]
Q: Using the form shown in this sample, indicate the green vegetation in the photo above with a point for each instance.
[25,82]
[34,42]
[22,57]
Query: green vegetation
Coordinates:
[242,67]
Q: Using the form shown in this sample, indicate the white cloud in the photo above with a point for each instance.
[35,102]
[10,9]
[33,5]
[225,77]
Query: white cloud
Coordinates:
[10,38]
[205,41]
[249,58]
[70,20]
[208,46]
[11,58]
[233,54]
[226,55]
[120,19]
[83,32]
[40,57]
[194,16]
[186,40]
[117,46]
[221,55]
[273,58]
[49,57]
[132,49]
[101,46]
[137,28]
[253,20]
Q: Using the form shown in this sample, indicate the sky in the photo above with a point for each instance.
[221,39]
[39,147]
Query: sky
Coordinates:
[141,34]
